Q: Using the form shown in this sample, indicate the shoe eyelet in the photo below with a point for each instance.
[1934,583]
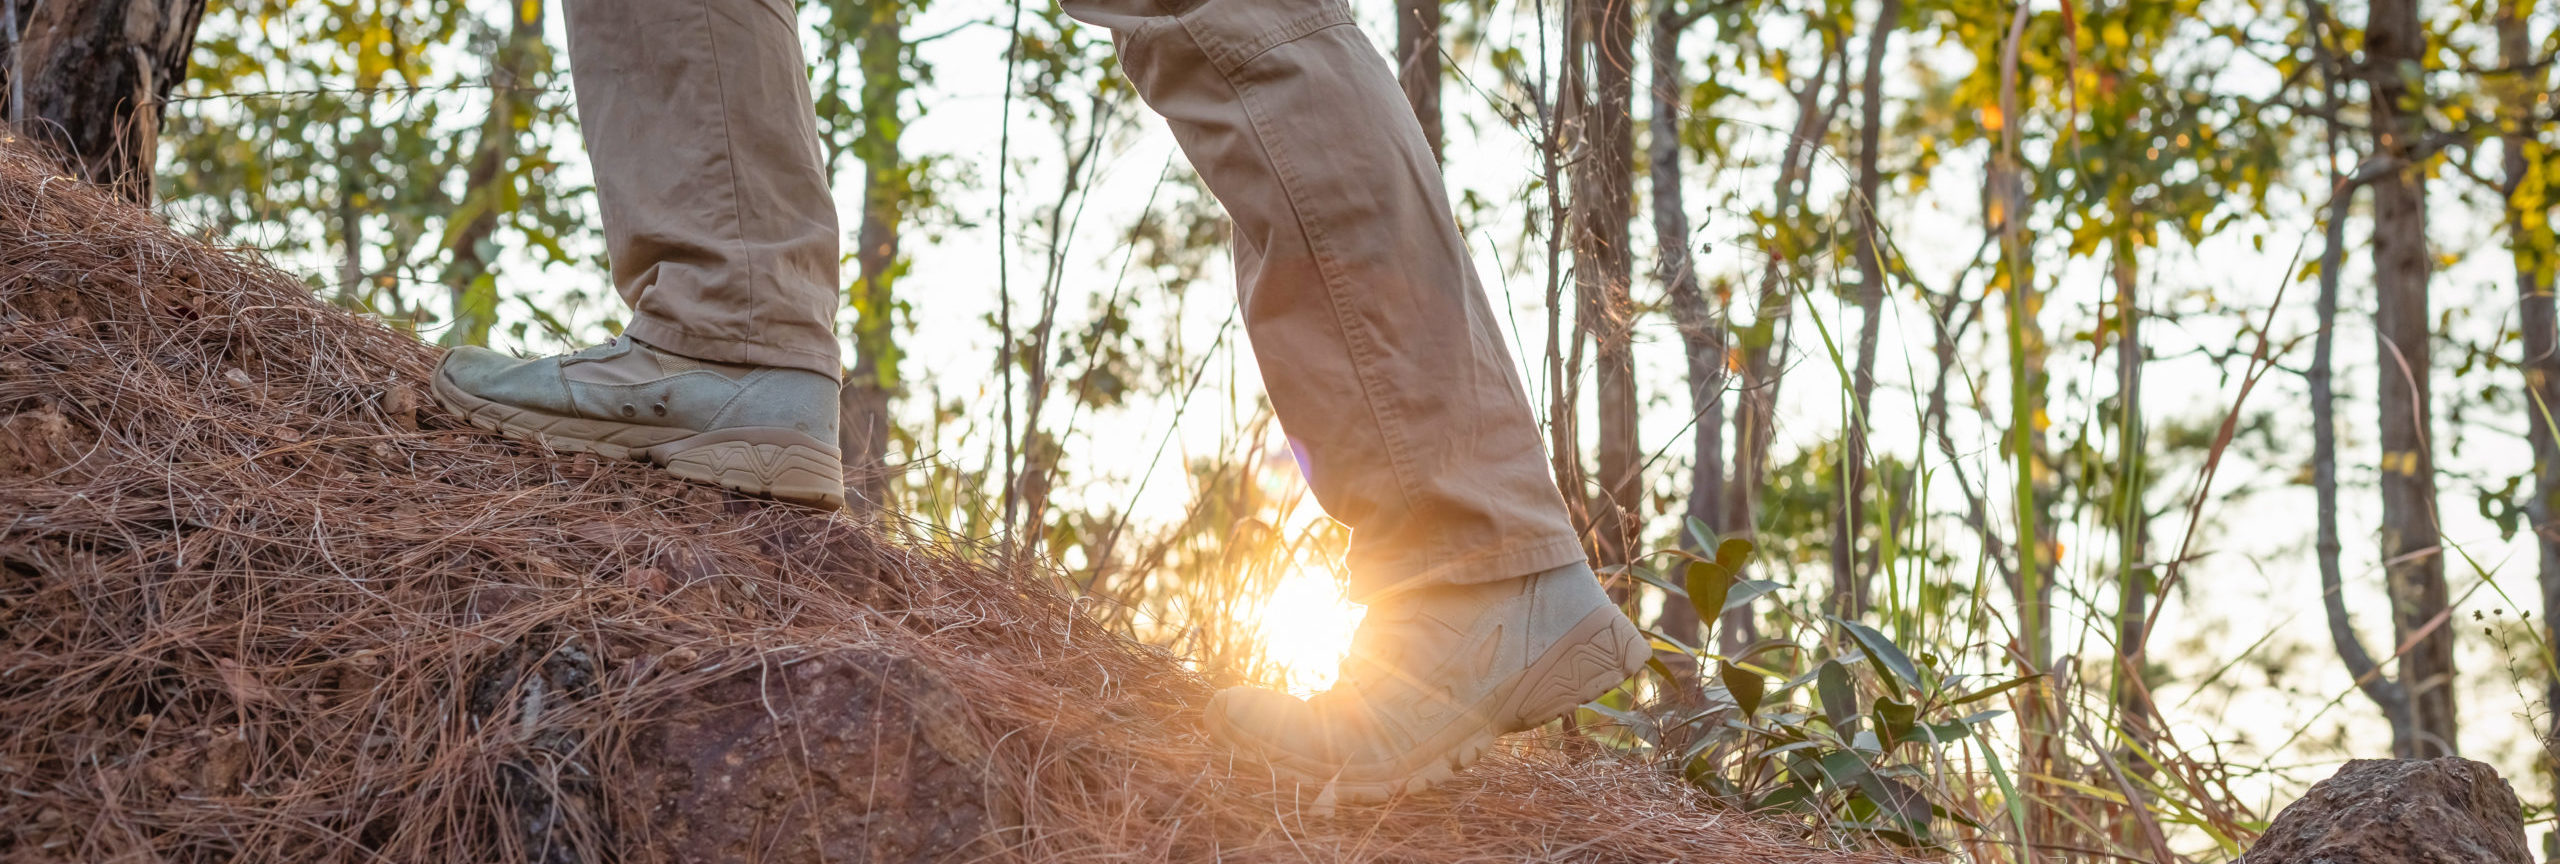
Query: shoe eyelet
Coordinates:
[628,411]
[659,408]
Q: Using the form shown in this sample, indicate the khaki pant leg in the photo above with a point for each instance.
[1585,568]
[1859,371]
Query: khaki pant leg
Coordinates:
[1375,341]
[717,216]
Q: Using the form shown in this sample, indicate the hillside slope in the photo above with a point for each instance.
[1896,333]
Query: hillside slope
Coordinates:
[258,602]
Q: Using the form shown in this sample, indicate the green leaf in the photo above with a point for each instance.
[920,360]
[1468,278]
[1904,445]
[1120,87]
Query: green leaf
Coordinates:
[1732,554]
[1955,816]
[1746,591]
[1653,577]
[1747,686]
[1897,800]
[1889,657]
[2008,794]
[1894,721]
[1793,796]
[1699,533]
[1839,701]
[1707,586]
[1995,690]
[1699,772]
[1763,646]
[1844,768]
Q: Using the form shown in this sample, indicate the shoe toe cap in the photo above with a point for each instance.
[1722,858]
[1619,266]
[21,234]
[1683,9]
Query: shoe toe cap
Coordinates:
[1268,722]
[489,376]
[471,366]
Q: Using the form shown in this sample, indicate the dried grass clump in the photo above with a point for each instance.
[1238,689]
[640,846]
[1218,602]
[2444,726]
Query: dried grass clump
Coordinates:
[257,603]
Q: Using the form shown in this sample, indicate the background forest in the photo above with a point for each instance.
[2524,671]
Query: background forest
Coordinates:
[2067,427]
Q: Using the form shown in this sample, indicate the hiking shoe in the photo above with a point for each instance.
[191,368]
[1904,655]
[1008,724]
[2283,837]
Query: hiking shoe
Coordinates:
[759,430]
[1434,676]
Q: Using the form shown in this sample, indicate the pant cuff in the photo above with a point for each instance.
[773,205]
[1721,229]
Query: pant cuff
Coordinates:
[1372,581]
[672,338]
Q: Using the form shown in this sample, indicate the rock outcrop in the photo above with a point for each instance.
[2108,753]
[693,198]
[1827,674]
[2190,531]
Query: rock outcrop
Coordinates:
[2400,811]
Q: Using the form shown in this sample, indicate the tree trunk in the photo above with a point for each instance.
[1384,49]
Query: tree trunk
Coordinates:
[2529,236]
[1849,586]
[1701,328]
[1604,266]
[863,426]
[2133,523]
[2385,693]
[2413,563]
[2039,721]
[1418,63]
[1763,357]
[91,77]
[489,188]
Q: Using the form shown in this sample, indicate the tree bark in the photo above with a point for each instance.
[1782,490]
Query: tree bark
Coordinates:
[1701,327]
[90,78]
[863,425]
[1604,265]
[2040,741]
[2413,565]
[1763,357]
[2530,240]
[2384,692]
[1418,64]
[1849,586]
[489,187]
[2134,582]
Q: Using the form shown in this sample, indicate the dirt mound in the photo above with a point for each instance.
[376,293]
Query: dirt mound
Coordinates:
[256,604]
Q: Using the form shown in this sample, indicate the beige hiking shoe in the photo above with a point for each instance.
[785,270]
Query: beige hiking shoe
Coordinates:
[759,430]
[1434,676]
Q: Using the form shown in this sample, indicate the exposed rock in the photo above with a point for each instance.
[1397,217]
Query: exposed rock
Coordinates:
[841,757]
[2395,811]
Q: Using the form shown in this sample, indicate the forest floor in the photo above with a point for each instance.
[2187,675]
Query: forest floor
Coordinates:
[260,601]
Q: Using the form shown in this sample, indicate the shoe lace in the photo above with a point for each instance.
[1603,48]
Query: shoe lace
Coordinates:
[599,348]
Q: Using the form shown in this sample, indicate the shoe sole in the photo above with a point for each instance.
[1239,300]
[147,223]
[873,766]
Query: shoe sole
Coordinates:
[1599,653]
[783,464]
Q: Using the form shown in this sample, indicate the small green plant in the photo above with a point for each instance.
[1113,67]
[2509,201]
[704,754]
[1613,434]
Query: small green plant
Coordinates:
[1830,719]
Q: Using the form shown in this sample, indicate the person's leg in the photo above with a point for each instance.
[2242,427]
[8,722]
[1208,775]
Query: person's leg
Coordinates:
[1388,372]
[722,234]
[1379,351]
[717,215]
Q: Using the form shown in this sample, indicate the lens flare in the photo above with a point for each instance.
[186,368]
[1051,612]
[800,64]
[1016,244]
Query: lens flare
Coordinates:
[1305,628]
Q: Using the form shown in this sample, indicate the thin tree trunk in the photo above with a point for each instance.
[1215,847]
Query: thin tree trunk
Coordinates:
[2533,250]
[1849,586]
[1604,265]
[1762,359]
[352,169]
[2040,742]
[2412,561]
[489,184]
[2133,522]
[863,427]
[2385,693]
[1418,63]
[1563,124]
[1701,329]
[90,78]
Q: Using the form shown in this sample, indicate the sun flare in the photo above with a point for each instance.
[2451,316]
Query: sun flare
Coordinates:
[1305,628]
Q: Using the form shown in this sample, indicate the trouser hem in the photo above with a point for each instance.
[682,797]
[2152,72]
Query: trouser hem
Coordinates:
[1509,562]
[674,339]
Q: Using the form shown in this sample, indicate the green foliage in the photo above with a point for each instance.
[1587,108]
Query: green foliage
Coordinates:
[1854,737]
[348,132]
